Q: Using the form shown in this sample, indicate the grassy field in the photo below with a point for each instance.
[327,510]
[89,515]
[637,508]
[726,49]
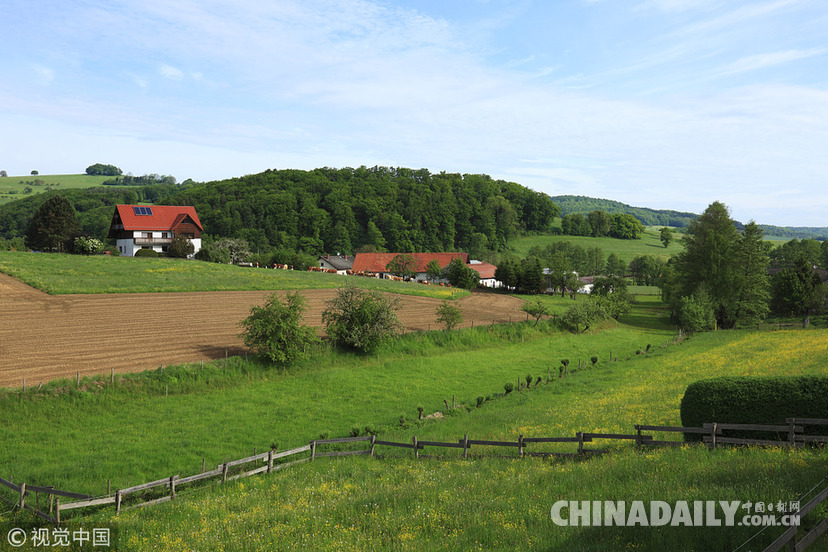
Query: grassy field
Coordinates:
[14,187]
[626,250]
[163,423]
[60,274]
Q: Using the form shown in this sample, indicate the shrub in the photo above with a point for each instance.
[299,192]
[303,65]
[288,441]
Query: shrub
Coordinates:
[180,247]
[355,431]
[360,319]
[754,400]
[508,387]
[88,246]
[594,360]
[323,435]
[449,314]
[275,330]
[480,401]
[528,380]
[146,253]
[695,313]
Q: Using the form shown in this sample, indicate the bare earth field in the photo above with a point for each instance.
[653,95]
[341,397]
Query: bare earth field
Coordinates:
[45,337]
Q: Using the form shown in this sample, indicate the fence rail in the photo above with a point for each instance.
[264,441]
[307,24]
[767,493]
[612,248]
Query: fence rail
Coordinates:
[711,433]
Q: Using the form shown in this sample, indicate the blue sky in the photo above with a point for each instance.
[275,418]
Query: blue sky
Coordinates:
[657,103]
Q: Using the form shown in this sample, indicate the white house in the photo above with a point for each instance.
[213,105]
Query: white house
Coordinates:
[137,227]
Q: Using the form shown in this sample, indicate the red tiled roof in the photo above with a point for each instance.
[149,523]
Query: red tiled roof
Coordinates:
[164,217]
[486,270]
[376,262]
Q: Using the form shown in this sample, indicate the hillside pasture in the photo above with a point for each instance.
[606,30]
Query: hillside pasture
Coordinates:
[626,250]
[14,187]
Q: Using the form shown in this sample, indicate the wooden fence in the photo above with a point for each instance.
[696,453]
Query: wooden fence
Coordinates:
[266,462]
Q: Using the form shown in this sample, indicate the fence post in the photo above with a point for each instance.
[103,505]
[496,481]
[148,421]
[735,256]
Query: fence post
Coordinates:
[416,450]
[713,427]
[638,437]
[520,444]
[465,445]
[313,449]
[791,428]
[224,472]
[270,461]
[580,436]
[373,440]
[117,501]
[172,486]
[22,495]
[57,510]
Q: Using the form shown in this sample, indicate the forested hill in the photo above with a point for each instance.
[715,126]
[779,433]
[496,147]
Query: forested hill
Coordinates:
[653,217]
[340,210]
[650,217]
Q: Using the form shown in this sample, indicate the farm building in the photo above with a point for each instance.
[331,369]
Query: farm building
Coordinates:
[375,263]
[487,274]
[341,263]
[136,227]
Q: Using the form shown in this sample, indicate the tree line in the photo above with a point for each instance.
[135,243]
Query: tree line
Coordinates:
[598,224]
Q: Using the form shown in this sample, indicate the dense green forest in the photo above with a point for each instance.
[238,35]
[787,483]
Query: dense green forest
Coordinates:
[330,210]
[649,217]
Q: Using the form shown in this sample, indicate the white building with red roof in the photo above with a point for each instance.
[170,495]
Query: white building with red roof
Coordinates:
[137,227]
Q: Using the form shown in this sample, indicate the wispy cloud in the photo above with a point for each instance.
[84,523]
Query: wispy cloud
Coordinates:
[762,61]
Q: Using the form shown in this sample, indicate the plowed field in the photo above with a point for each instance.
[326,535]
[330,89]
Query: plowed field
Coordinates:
[44,337]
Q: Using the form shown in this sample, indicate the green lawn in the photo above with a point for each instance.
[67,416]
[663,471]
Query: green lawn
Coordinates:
[626,250]
[397,503]
[14,187]
[61,273]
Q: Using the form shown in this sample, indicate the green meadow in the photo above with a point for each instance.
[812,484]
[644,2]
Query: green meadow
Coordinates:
[626,250]
[15,187]
[161,423]
[58,274]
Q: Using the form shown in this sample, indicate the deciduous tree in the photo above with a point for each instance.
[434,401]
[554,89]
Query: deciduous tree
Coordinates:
[275,330]
[449,314]
[360,319]
[53,227]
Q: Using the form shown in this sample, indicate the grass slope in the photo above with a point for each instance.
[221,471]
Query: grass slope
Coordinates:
[60,274]
[397,503]
[12,187]
[626,250]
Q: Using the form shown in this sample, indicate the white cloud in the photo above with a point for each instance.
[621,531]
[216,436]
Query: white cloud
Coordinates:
[761,61]
[171,72]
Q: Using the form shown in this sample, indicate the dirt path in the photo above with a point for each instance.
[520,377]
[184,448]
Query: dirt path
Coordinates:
[45,337]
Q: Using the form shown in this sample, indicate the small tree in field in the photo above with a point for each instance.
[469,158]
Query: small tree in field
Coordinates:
[275,330]
[536,310]
[449,314]
[361,320]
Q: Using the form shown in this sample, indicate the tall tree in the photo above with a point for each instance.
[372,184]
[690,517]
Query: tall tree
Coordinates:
[666,236]
[53,227]
[752,280]
[731,269]
[707,260]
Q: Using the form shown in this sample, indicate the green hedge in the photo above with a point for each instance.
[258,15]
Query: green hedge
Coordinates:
[755,400]
[146,253]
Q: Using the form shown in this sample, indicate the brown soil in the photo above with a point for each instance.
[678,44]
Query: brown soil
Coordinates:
[44,337]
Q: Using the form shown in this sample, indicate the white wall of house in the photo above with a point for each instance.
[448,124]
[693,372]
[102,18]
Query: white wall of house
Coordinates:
[128,246]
